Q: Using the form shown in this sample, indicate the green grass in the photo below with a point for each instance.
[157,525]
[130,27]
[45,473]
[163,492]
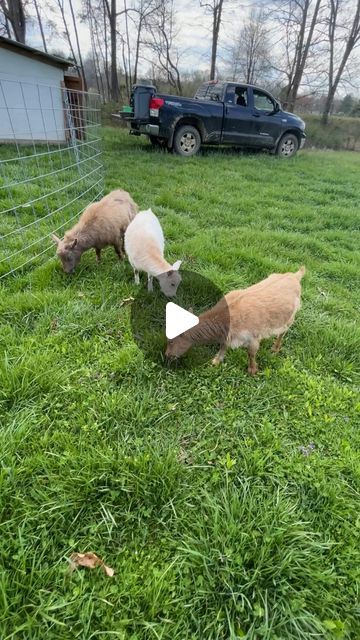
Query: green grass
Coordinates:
[192,482]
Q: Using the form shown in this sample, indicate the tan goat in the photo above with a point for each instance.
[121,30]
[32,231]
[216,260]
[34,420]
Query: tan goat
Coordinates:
[243,318]
[102,224]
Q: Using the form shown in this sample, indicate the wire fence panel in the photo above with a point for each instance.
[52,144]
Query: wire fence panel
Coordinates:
[50,167]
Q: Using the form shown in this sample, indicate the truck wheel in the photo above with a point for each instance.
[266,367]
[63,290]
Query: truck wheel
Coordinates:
[288,146]
[187,141]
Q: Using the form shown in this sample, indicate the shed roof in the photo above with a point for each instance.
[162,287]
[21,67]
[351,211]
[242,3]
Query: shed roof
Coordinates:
[37,54]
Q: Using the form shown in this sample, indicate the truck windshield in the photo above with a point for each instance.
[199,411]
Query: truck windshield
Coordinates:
[210,91]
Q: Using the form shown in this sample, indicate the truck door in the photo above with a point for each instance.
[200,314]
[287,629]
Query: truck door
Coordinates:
[238,125]
[267,125]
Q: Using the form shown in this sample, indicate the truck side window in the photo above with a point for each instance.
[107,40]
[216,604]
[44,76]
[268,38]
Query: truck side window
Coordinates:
[214,92]
[263,102]
[241,97]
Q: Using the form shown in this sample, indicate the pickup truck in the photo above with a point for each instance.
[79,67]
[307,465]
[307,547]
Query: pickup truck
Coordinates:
[220,113]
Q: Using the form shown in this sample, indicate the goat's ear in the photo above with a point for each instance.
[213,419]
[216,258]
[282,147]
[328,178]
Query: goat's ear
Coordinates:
[176,265]
[55,238]
[73,244]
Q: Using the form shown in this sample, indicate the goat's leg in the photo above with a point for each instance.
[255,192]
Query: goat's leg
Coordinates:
[220,355]
[98,255]
[136,277]
[150,282]
[278,342]
[118,249]
[252,351]
[122,243]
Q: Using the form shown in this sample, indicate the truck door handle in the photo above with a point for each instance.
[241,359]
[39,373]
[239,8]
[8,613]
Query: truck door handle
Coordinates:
[256,115]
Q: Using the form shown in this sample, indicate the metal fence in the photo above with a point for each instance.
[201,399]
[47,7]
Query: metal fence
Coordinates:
[50,167]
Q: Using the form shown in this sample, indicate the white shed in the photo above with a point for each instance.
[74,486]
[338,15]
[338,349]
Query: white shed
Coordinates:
[34,100]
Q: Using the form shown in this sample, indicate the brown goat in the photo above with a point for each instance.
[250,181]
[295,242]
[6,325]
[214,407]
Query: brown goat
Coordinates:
[243,318]
[102,224]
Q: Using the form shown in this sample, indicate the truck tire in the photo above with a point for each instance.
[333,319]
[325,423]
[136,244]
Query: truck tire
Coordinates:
[187,141]
[287,146]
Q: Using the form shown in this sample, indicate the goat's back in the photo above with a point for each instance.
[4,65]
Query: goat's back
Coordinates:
[144,234]
[116,208]
[264,309]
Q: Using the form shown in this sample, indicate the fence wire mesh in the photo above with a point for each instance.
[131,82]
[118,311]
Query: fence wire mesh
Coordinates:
[50,167]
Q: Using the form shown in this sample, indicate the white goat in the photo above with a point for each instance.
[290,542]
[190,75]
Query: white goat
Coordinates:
[144,246]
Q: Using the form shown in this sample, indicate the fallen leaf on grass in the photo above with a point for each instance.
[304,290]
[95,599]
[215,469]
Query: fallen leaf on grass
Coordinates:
[126,301]
[90,561]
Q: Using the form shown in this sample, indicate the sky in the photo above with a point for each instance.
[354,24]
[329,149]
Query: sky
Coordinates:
[192,22]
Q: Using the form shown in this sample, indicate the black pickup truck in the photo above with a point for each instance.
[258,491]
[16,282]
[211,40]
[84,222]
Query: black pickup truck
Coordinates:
[220,113]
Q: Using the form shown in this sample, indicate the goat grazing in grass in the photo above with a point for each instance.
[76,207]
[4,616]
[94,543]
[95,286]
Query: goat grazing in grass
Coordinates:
[102,224]
[243,318]
[144,245]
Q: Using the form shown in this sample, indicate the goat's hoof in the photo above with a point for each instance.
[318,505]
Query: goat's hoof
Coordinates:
[252,371]
[216,361]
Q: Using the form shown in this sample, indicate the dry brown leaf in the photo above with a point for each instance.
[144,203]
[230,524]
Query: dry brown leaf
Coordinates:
[108,570]
[90,561]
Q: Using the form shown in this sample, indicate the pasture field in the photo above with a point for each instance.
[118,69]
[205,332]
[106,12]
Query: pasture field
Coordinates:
[228,506]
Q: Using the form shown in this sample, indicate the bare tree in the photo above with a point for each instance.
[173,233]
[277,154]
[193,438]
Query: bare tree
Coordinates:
[160,26]
[112,15]
[344,36]
[66,33]
[214,7]
[97,52]
[4,25]
[249,55]
[14,13]
[95,14]
[38,15]
[106,50]
[78,44]
[140,15]
[298,20]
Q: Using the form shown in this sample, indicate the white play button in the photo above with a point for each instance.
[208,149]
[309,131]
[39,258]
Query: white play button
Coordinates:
[178,320]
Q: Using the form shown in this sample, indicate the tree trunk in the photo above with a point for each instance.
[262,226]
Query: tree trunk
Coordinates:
[137,50]
[106,57]
[15,16]
[114,76]
[78,45]
[128,49]
[62,11]
[217,10]
[98,76]
[299,71]
[327,108]
[351,40]
[40,25]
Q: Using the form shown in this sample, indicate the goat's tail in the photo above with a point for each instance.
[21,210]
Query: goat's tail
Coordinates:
[299,274]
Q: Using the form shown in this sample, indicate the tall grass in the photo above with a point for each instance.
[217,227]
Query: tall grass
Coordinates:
[340,133]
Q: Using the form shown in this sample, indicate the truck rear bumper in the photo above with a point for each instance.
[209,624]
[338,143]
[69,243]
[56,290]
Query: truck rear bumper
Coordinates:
[148,129]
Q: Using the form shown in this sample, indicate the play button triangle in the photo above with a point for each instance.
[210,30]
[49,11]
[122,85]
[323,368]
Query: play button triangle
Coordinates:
[178,320]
